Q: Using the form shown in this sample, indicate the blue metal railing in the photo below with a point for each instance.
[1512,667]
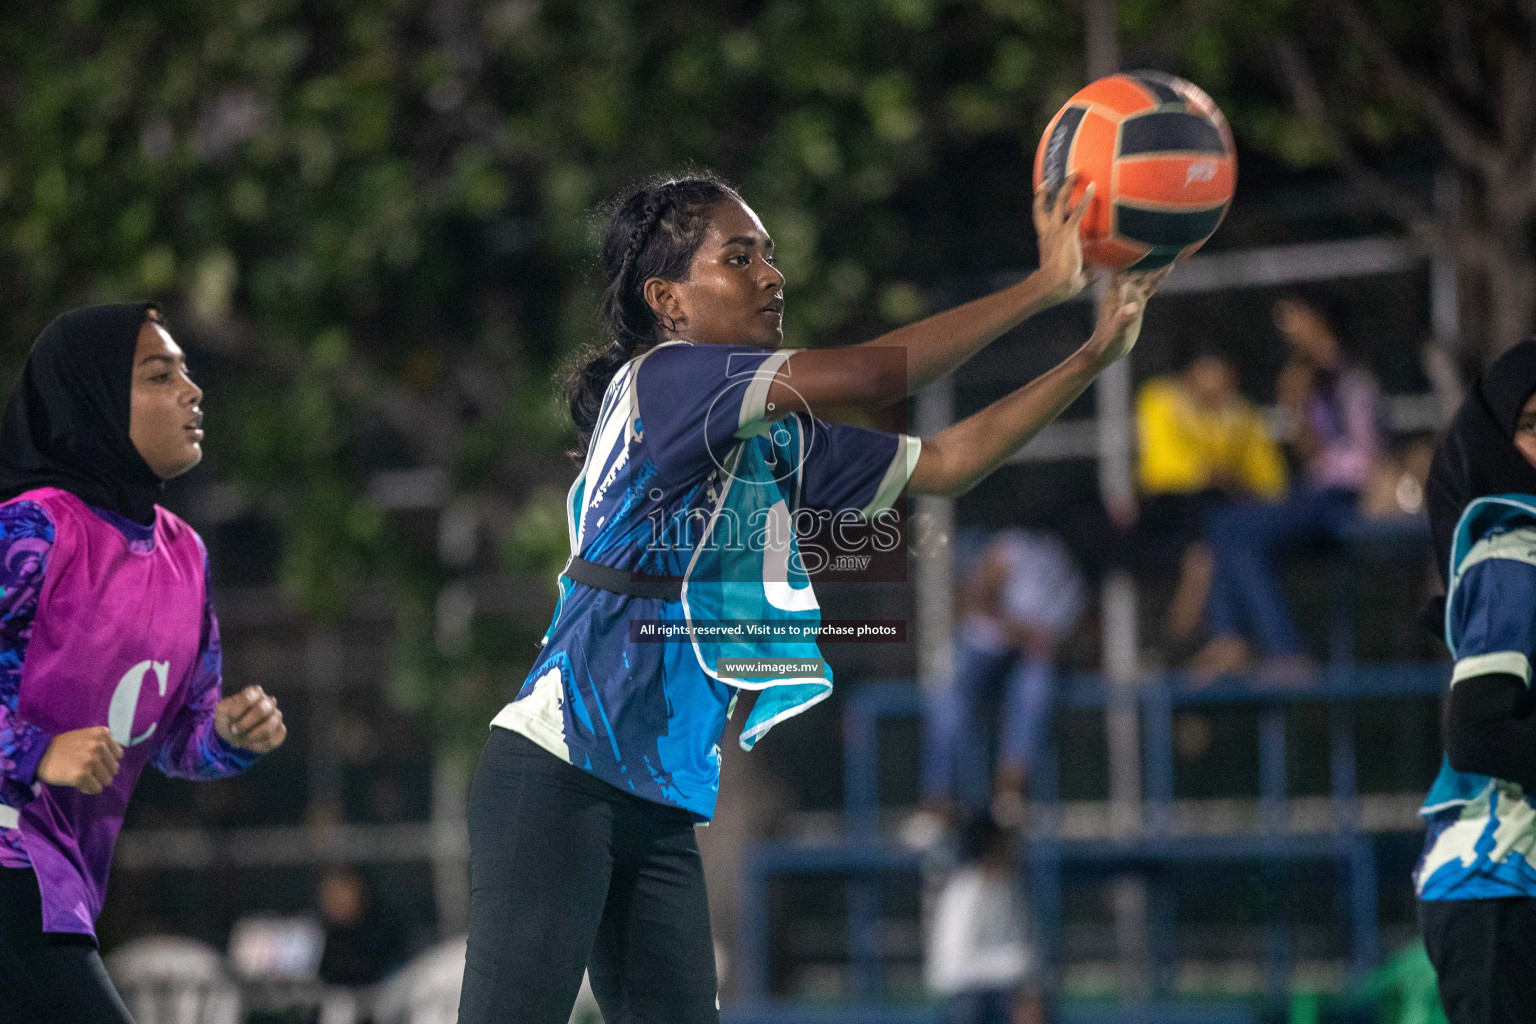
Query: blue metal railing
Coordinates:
[864,857]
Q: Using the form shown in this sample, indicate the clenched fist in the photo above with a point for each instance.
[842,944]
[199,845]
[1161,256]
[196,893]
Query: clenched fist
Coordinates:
[86,759]
[250,720]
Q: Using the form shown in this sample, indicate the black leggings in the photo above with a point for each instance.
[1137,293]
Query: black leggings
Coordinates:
[567,872]
[48,978]
[1482,950]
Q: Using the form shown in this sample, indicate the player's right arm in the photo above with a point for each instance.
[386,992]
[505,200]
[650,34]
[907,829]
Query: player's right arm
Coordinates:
[1489,728]
[894,366]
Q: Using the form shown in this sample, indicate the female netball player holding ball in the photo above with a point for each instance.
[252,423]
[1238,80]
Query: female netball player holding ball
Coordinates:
[109,650]
[700,439]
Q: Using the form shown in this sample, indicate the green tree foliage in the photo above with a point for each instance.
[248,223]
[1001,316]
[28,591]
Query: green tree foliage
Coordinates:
[377,216]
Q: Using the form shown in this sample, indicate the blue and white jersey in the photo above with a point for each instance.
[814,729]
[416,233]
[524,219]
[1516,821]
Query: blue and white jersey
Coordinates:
[1482,830]
[688,475]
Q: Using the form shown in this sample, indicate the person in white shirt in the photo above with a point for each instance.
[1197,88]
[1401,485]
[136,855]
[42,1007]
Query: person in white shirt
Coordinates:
[979,957]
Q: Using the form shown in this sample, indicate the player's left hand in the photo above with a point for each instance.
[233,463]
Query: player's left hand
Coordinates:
[250,720]
[1120,311]
[1058,231]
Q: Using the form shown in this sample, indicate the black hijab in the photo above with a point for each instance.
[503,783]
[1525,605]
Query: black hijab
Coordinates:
[1477,456]
[66,424]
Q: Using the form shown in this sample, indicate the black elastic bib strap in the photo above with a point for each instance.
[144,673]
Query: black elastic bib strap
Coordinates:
[620,581]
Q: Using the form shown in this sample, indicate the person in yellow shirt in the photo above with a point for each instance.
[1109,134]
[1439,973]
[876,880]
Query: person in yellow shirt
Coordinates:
[1199,434]
[1201,444]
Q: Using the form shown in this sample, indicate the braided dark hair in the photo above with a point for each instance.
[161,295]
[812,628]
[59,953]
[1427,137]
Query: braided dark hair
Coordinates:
[653,230]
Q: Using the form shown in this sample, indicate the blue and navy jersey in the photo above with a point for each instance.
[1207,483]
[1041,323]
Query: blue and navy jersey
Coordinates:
[645,716]
[1482,830]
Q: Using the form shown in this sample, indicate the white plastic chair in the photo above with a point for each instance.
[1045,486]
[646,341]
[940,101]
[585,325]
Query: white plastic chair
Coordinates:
[175,980]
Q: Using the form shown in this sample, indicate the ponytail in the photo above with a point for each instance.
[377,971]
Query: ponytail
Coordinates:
[652,231]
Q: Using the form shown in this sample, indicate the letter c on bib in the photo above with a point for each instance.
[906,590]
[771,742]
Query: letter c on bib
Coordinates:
[125,702]
[777,545]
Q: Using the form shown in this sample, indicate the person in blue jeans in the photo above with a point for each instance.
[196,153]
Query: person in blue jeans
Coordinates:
[1023,596]
[1334,405]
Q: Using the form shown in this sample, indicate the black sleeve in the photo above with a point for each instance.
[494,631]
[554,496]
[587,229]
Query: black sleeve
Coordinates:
[1489,728]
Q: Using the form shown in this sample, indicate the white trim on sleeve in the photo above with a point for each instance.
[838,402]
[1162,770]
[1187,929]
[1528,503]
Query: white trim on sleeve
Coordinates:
[1512,662]
[1517,545]
[754,400]
[10,817]
[908,448]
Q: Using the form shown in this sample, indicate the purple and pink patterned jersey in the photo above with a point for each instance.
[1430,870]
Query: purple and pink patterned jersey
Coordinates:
[103,622]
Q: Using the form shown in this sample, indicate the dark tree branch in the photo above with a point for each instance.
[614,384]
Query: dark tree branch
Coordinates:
[1467,245]
[1517,123]
[1461,48]
[1391,199]
[1459,134]
[1517,90]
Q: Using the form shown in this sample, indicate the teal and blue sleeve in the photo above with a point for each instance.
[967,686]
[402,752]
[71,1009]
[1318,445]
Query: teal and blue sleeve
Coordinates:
[1493,620]
[850,468]
[1489,727]
[697,401]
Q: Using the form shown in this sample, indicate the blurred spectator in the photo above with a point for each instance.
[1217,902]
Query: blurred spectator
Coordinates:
[362,944]
[1020,599]
[978,957]
[1334,406]
[1201,444]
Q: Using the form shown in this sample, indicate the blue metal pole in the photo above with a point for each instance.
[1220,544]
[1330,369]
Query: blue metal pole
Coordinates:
[861,765]
[1272,815]
[1362,862]
[1157,706]
[1044,857]
[752,907]
[864,934]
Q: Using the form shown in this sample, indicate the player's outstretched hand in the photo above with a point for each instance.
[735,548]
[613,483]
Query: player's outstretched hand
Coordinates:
[251,720]
[86,759]
[1057,224]
[1120,311]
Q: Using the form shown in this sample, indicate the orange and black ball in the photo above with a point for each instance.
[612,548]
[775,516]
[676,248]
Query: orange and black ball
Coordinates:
[1162,158]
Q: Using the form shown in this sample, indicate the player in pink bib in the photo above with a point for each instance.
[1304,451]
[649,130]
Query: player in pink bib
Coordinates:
[109,648]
